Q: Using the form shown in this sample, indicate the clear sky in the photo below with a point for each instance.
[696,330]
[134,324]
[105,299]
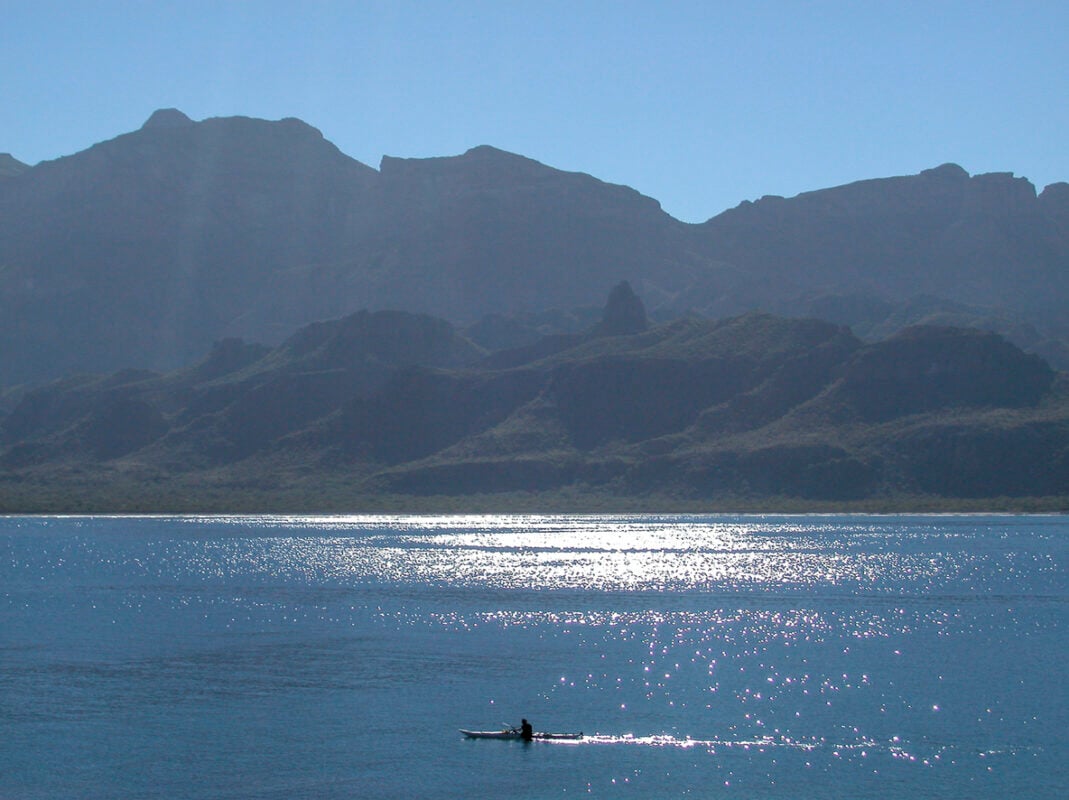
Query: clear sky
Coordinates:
[697,104]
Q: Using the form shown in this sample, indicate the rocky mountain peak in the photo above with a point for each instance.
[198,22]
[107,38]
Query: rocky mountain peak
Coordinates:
[11,166]
[999,194]
[167,118]
[1054,200]
[480,166]
[624,312]
[946,171]
[488,169]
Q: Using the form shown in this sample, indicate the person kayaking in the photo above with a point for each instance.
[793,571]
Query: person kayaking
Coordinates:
[526,731]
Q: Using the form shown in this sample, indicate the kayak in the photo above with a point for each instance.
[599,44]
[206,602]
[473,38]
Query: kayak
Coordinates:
[513,734]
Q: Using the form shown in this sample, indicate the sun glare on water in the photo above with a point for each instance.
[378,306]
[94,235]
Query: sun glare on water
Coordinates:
[592,553]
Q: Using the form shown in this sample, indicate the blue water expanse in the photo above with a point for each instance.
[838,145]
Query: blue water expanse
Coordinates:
[704,656]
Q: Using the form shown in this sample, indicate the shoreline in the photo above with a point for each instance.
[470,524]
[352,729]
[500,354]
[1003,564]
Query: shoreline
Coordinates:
[125,500]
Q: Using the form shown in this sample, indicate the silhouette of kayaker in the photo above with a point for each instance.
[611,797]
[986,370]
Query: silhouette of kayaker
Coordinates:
[526,731]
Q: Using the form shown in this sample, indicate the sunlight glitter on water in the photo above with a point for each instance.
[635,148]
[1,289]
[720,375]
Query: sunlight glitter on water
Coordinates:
[771,652]
[577,553]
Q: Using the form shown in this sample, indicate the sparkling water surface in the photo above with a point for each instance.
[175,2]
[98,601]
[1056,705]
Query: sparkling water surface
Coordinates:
[718,656]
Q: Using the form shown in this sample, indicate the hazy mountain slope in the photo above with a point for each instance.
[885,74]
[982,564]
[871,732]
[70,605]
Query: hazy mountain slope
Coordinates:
[239,399]
[986,240]
[10,166]
[143,250]
[805,412]
[504,233]
[755,407]
[146,248]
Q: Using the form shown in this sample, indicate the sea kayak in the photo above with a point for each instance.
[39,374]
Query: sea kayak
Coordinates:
[513,734]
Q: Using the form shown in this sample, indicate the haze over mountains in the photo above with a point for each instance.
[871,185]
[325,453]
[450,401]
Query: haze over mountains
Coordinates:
[144,250]
[392,404]
[233,313]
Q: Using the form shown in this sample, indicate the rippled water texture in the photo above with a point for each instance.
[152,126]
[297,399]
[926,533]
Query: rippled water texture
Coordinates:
[769,657]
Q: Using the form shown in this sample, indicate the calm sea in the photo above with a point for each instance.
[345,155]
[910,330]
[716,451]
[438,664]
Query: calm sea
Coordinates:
[721,656]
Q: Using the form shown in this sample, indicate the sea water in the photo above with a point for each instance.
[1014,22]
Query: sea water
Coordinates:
[719,656]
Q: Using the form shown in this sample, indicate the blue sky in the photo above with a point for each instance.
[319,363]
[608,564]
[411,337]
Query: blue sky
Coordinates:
[698,104]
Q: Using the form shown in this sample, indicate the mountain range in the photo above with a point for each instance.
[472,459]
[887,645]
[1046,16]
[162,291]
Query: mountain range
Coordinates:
[395,407]
[144,250]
